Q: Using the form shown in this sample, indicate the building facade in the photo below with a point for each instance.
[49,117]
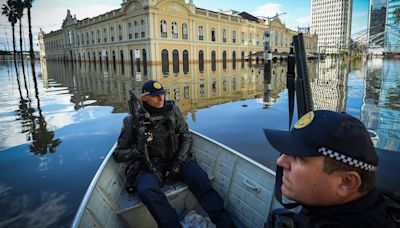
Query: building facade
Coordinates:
[171,35]
[392,41]
[331,21]
[376,26]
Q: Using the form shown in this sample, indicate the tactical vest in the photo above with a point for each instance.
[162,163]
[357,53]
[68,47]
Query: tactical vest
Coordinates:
[165,141]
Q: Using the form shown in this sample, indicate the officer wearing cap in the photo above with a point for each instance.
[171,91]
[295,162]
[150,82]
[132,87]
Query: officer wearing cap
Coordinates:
[327,166]
[169,149]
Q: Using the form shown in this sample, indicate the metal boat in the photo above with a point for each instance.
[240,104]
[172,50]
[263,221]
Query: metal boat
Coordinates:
[246,186]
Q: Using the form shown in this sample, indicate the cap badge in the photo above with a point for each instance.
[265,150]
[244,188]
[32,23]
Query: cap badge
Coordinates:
[304,120]
[157,85]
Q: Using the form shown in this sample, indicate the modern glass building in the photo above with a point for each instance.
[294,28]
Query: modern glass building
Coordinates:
[392,39]
[376,25]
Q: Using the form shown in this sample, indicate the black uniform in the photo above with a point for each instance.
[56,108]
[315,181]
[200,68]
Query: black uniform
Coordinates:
[369,211]
[171,141]
[170,150]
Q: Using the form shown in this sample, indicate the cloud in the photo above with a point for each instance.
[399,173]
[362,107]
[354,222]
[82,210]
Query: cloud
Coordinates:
[268,10]
[303,21]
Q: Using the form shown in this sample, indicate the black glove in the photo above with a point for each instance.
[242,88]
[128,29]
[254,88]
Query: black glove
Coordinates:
[175,170]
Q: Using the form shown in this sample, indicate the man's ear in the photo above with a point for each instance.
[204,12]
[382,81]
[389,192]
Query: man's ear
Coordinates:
[349,185]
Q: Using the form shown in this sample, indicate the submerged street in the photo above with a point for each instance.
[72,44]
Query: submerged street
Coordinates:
[55,136]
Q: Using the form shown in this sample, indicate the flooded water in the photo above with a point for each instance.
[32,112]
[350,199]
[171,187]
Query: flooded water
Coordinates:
[59,120]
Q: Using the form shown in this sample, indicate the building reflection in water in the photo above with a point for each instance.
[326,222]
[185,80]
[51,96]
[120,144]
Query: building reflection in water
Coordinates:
[329,84]
[381,107]
[109,86]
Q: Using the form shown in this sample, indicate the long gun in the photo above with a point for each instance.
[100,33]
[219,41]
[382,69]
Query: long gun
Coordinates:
[300,84]
[142,123]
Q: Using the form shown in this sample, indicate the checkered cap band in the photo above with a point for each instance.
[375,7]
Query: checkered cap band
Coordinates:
[346,159]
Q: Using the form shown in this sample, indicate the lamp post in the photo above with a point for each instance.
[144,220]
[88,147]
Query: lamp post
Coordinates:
[267,48]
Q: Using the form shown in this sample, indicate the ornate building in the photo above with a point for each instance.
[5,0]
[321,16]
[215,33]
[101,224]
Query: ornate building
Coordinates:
[171,35]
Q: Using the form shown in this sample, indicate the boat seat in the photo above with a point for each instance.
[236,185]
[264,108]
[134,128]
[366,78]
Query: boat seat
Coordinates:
[133,211]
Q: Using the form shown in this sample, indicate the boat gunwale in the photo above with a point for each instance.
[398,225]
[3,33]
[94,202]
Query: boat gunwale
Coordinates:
[270,171]
[85,200]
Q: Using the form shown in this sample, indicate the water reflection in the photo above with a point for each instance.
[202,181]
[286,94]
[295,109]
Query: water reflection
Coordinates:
[381,108]
[34,125]
[95,84]
[92,86]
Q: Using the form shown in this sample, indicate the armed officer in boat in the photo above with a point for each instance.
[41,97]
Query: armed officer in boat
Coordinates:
[163,151]
[327,166]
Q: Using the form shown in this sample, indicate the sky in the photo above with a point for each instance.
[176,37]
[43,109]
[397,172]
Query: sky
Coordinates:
[49,14]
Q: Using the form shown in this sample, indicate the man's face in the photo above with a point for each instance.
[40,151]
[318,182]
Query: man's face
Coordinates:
[305,181]
[156,101]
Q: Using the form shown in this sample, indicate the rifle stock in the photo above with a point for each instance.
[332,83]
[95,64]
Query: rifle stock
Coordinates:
[305,103]
[299,85]
[142,122]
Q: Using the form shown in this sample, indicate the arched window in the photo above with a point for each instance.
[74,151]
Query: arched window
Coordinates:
[213,61]
[114,63]
[144,57]
[224,35]
[138,68]
[136,29]
[131,62]
[175,61]
[163,28]
[242,60]
[201,33]
[94,58]
[201,61]
[224,60]
[122,62]
[107,59]
[250,59]
[276,37]
[234,37]
[142,29]
[257,39]
[213,34]
[165,61]
[281,39]
[100,60]
[174,30]
[185,61]
[88,54]
[185,35]
[234,60]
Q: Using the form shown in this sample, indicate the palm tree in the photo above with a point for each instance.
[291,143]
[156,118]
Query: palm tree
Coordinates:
[19,7]
[9,11]
[28,6]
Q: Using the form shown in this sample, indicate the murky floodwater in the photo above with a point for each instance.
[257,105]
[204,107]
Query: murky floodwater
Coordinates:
[56,131]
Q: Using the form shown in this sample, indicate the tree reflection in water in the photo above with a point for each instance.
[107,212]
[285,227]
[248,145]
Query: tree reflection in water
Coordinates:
[43,140]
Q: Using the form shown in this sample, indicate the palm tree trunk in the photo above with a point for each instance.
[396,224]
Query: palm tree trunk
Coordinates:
[22,58]
[32,55]
[15,62]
